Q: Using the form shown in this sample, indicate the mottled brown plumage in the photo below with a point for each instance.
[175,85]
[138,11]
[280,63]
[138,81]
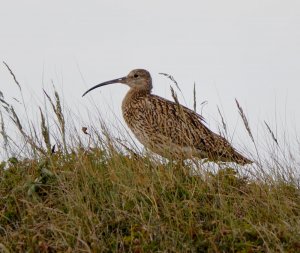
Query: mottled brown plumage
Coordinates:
[167,128]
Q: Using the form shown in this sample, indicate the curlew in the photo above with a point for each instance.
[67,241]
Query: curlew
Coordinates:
[167,128]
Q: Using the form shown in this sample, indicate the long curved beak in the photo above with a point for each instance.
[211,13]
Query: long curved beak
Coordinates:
[119,80]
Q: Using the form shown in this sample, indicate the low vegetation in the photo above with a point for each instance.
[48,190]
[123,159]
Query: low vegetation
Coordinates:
[101,195]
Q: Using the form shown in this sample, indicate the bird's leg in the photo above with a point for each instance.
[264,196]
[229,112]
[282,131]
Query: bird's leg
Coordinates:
[181,163]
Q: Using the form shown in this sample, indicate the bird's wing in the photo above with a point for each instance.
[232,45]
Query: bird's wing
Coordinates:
[178,123]
[159,120]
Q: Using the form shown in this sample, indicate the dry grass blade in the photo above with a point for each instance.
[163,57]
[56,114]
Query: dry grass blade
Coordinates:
[128,149]
[50,100]
[13,75]
[17,100]
[272,133]
[174,95]
[21,93]
[176,84]
[195,99]
[59,114]
[202,105]
[223,121]
[172,79]
[14,117]
[4,102]
[3,133]
[34,136]
[61,119]
[245,120]
[45,132]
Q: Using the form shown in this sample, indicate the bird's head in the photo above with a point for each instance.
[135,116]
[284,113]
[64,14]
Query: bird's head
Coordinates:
[138,79]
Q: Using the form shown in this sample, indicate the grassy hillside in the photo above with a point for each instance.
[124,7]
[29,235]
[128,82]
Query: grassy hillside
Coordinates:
[87,202]
[101,196]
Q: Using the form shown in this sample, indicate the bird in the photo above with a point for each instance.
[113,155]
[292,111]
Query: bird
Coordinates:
[168,128]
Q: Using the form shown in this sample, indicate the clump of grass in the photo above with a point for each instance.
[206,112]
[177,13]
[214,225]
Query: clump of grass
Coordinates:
[103,196]
[45,132]
[106,202]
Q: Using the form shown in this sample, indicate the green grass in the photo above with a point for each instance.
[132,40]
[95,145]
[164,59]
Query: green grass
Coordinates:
[95,197]
[87,202]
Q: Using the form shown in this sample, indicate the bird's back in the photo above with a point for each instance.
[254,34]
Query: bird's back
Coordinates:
[173,130]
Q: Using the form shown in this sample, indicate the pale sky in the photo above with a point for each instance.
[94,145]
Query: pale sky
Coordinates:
[249,50]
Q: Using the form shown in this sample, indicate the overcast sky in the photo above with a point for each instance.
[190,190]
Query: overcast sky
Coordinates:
[249,50]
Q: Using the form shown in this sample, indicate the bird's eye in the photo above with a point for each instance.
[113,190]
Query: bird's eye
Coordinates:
[136,75]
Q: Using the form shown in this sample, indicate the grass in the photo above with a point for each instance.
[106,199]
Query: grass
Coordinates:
[102,197]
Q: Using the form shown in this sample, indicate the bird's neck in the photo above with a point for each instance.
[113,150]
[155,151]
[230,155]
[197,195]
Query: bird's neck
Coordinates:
[132,96]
